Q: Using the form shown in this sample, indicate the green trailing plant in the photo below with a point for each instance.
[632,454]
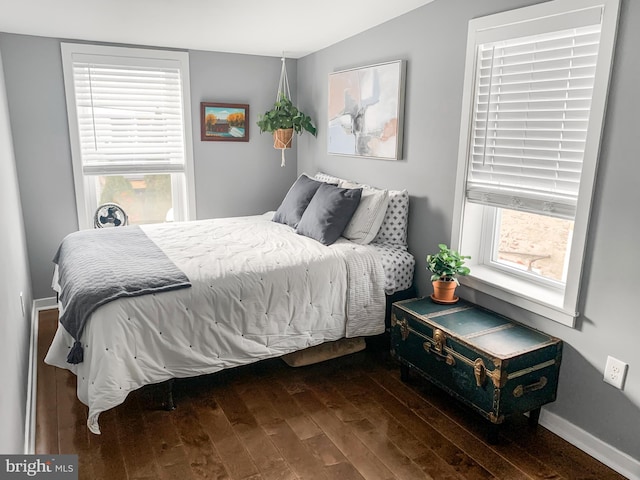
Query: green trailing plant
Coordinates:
[284,114]
[447,264]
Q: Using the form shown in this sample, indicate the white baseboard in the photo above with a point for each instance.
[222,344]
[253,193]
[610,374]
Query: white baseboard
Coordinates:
[45,303]
[32,378]
[605,453]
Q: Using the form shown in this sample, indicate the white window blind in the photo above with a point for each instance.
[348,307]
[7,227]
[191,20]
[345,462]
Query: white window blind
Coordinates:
[531,111]
[130,127]
[129,117]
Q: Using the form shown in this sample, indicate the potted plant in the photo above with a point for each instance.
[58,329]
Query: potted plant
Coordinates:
[445,267]
[283,120]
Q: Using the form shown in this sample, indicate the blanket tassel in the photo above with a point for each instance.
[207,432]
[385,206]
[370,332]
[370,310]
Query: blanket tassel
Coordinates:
[76,354]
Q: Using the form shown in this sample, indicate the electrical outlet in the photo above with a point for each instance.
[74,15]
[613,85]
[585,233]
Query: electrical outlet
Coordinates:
[615,372]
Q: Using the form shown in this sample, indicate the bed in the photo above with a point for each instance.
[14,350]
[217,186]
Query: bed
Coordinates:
[258,288]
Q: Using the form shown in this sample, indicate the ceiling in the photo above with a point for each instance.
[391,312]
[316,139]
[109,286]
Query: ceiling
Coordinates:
[259,27]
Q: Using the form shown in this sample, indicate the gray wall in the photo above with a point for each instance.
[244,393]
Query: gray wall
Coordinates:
[238,178]
[433,41]
[14,278]
[231,178]
[33,76]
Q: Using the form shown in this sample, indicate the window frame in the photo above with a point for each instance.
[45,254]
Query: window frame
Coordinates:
[490,243]
[183,192]
[468,219]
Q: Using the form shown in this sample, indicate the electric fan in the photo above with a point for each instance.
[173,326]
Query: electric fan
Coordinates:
[109,215]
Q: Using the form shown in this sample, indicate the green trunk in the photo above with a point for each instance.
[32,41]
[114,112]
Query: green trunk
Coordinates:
[495,365]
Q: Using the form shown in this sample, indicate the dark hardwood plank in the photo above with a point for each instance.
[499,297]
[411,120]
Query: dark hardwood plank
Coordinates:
[299,457]
[335,464]
[334,393]
[327,453]
[349,418]
[343,436]
[463,464]
[204,459]
[166,444]
[343,471]
[473,444]
[523,447]
[46,409]
[266,456]
[304,427]
[373,434]
[297,454]
[106,451]
[417,449]
[569,461]
[234,455]
[73,436]
[287,407]
[139,456]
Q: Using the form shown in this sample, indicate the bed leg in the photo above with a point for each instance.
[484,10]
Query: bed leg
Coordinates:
[165,389]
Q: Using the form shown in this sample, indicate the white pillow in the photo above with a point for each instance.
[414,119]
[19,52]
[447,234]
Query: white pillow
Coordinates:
[365,223]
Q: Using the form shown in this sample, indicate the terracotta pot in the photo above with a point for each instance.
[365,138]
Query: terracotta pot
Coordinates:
[444,291]
[282,138]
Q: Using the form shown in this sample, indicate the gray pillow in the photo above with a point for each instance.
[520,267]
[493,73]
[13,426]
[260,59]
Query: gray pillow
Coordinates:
[296,201]
[328,213]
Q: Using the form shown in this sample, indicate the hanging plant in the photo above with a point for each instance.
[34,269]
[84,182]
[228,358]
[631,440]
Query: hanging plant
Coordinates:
[284,119]
[285,115]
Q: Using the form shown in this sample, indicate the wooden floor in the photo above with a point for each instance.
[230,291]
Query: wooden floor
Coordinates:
[349,418]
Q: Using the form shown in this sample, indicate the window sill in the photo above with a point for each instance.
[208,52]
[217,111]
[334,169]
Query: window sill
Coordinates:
[538,299]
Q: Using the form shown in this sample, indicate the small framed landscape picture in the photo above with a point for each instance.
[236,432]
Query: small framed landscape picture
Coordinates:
[224,122]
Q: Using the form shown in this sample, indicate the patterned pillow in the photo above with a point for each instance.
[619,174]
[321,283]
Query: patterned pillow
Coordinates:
[398,265]
[393,230]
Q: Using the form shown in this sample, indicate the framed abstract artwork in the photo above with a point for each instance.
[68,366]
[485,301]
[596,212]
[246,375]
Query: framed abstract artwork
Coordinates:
[224,122]
[366,107]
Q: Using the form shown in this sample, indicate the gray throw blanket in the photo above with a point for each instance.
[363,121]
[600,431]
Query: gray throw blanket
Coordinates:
[98,266]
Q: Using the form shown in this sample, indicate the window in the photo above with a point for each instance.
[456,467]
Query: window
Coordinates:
[130,128]
[533,109]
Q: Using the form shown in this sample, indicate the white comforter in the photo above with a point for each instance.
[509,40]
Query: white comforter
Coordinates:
[259,290]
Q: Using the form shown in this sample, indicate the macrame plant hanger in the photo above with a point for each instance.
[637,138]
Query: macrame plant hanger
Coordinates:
[283,91]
